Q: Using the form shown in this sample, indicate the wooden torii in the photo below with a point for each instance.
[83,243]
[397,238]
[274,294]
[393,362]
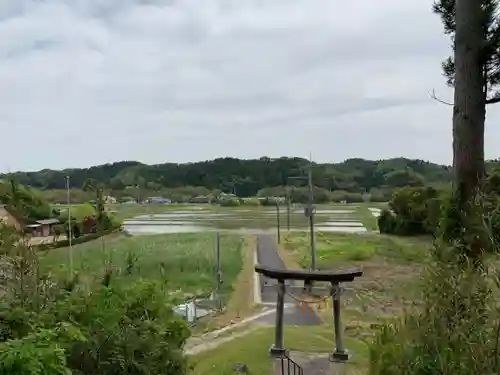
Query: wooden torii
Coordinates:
[334,278]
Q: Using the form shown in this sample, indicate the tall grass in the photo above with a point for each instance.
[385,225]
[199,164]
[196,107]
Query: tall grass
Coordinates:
[456,331]
[186,262]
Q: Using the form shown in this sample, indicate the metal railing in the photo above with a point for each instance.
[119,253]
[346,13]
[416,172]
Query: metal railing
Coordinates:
[289,366]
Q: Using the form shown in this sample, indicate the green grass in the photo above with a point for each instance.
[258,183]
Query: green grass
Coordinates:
[253,348]
[187,260]
[335,248]
[78,211]
[369,221]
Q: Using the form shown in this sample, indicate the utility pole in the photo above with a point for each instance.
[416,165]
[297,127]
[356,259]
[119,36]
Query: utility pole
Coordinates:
[218,274]
[288,199]
[311,217]
[278,219]
[70,228]
[309,212]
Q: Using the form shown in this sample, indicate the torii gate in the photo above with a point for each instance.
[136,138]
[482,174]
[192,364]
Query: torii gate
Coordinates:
[334,278]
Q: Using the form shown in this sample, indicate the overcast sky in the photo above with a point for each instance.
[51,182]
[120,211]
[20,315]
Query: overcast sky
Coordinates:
[84,82]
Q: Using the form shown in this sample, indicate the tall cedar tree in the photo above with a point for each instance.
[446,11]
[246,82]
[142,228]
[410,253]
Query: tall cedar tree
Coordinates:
[475,74]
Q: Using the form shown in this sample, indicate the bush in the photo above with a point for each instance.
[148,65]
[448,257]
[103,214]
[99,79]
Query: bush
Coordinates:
[415,212]
[40,352]
[89,224]
[229,202]
[113,330]
[75,229]
[386,222]
[129,330]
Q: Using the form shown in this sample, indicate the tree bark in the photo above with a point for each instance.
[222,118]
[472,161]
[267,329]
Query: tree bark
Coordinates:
[469,110]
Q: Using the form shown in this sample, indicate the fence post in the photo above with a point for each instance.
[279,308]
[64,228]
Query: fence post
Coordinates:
[194,310]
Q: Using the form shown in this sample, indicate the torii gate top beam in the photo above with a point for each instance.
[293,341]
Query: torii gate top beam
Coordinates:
[330,276]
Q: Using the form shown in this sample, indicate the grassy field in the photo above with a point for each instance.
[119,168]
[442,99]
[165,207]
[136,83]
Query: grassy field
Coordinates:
[78,211]
[336,249]
[185,261]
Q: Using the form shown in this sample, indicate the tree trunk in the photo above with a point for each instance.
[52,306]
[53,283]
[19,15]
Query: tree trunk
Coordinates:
[469,110]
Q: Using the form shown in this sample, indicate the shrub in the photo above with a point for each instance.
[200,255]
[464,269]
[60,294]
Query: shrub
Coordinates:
[40,352]
[75,229]
[89,225]
[415,211]
[129,330]
[386,222]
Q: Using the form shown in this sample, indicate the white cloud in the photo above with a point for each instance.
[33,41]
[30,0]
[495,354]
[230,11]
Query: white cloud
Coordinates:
[90,81]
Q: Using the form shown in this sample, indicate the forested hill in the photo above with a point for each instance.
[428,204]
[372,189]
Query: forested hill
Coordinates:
[247,177]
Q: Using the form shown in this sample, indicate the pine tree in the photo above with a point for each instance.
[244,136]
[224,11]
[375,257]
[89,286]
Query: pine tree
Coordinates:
[474,72]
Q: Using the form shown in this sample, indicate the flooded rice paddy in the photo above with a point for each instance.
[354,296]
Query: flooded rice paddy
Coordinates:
[259,220]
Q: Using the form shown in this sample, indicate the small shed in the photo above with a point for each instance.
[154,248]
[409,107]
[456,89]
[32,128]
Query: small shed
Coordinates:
[45,227]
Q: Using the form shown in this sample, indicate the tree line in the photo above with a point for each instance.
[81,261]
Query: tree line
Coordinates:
[246,177]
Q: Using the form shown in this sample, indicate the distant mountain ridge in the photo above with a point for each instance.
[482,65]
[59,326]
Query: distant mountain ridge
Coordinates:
[246,176]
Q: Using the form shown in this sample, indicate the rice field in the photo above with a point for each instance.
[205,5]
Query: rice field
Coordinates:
[348,218]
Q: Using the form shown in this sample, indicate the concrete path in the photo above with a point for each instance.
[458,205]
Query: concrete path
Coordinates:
[267,255]
[212,344]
